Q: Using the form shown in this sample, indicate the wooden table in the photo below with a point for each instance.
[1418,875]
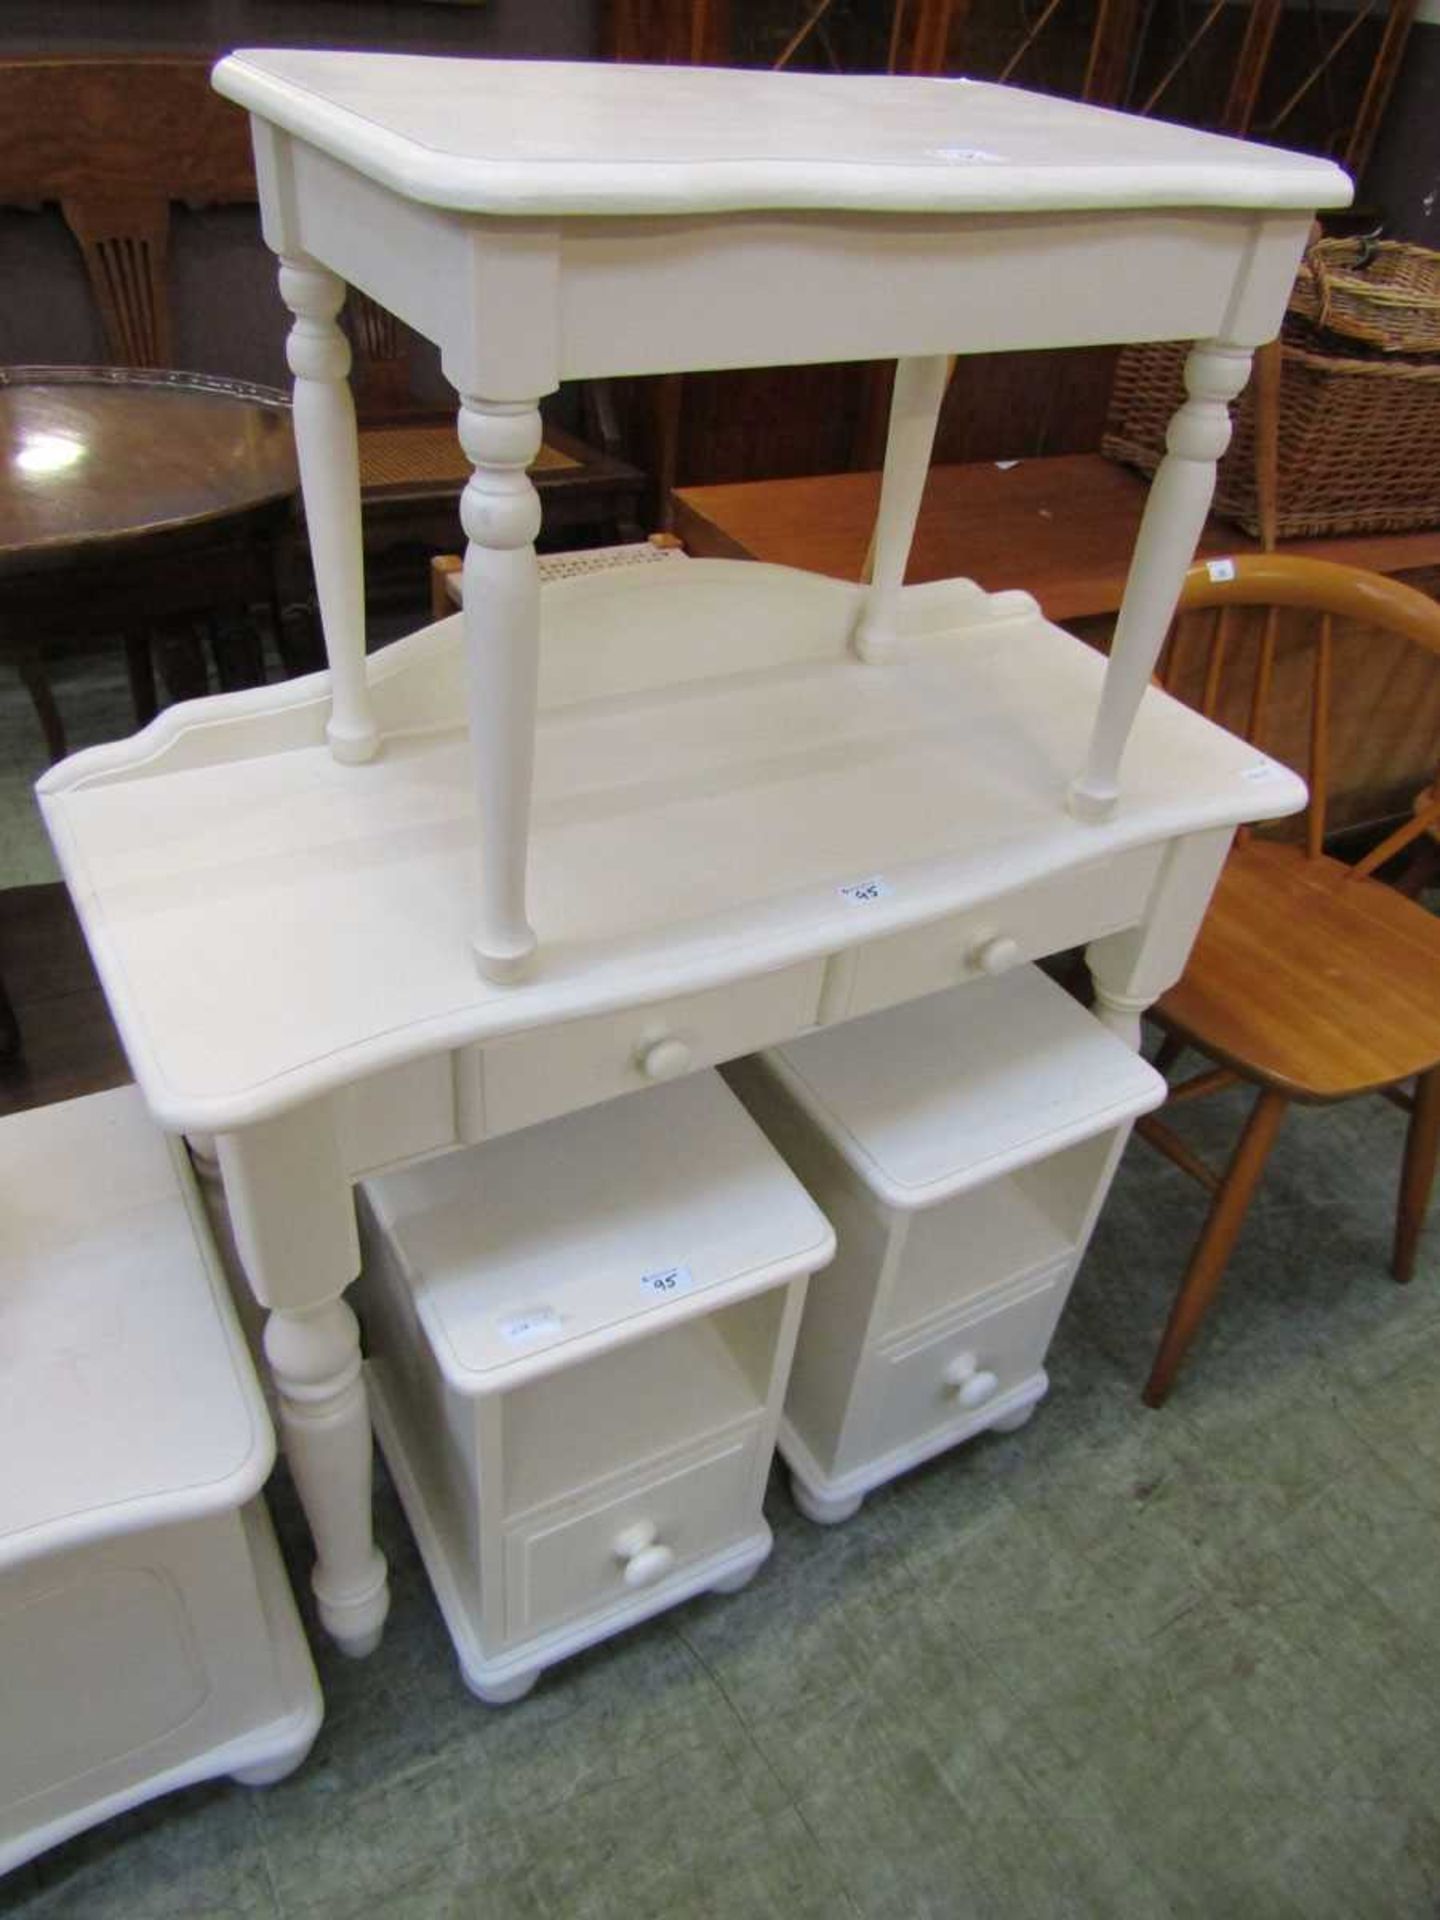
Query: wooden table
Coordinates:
[1064,528]
[127,496]
[738,801]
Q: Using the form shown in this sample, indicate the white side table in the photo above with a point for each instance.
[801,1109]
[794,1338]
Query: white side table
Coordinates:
[547,221]
[963,1145]
[580,1338]
[148,1638]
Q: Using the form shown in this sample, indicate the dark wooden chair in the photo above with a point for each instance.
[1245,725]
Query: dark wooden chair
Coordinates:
[114,142]
[1310,981]
[413,468]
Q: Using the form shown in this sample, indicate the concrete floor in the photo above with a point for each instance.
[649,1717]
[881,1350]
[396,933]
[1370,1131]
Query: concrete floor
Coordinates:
[1121,1663]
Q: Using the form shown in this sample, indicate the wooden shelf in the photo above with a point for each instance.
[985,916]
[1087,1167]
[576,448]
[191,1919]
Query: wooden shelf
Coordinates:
[1063,529]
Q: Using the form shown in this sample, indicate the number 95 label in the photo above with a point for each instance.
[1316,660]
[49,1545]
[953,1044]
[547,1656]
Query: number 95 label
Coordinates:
[666,1283]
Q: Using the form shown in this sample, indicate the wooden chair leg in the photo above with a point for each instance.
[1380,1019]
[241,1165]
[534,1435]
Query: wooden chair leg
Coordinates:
[237,649]
[36,682]
[10,1043]
[1217,1241]
[181,659]
[1167,1053]
[140,670]
[1417,1172]
[1421,869]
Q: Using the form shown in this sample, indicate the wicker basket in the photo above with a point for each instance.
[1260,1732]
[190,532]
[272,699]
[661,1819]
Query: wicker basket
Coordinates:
[1359,437]
[1385,294]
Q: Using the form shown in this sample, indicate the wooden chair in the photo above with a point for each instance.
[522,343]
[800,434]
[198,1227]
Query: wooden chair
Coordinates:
[1310,980]
[413,468]
[115,141]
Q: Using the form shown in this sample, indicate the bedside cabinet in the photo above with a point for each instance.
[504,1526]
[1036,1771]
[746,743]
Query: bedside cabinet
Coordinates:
[962,1145]
[580,1338]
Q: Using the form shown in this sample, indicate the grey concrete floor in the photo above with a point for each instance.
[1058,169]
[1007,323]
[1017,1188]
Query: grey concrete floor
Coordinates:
[1118,1664]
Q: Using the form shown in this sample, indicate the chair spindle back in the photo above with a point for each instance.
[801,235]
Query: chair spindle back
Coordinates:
[1270,583]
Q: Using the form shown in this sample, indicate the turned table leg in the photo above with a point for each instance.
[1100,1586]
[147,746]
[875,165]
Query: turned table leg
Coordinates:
[500,512]
[294,1225]
[1170,531]
[1121,1012]
[920,385]
[325,1424]
[328,453]
[1131,969]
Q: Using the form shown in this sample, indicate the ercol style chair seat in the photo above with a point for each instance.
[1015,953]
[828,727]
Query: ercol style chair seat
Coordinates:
[1310,979]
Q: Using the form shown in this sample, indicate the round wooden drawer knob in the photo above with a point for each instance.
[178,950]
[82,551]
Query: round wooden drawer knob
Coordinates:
[996,955]
[971,1383]
[664,1060]
[646,1558]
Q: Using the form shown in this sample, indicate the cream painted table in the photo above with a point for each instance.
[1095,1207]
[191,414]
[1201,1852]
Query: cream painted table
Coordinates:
[732,801]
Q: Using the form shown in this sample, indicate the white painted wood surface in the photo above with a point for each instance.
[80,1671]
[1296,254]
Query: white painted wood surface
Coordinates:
[148,1638]
[1174,518]
[294,1230]
[552,221]
[500,512]
[318,355]
[713,768]
[962,1145]
[720,791]
[580,1338]
[517,138]
[914,411]
[284,940]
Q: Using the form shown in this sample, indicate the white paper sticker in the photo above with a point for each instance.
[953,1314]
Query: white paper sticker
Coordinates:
[538,1324]
[667,1283]
[1220,569]
[861,892]
[1006,465]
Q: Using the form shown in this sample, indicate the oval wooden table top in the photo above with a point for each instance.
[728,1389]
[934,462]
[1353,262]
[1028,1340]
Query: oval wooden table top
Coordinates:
[91,457]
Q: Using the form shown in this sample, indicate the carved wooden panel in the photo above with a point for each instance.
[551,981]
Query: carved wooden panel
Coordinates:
[77,128]
[115,141]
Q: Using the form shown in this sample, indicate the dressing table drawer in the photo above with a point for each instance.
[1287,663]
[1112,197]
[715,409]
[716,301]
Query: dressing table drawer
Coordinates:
[535,1076]
[1066,910]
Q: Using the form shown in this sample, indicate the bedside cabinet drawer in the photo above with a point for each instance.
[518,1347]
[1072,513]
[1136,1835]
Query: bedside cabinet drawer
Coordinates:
[581,1562]
[537,1076]
[938,1379]
[1065,911]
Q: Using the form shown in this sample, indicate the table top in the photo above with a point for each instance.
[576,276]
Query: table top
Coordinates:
[1062,527]
[93,456]
[713,767]
[556,138]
